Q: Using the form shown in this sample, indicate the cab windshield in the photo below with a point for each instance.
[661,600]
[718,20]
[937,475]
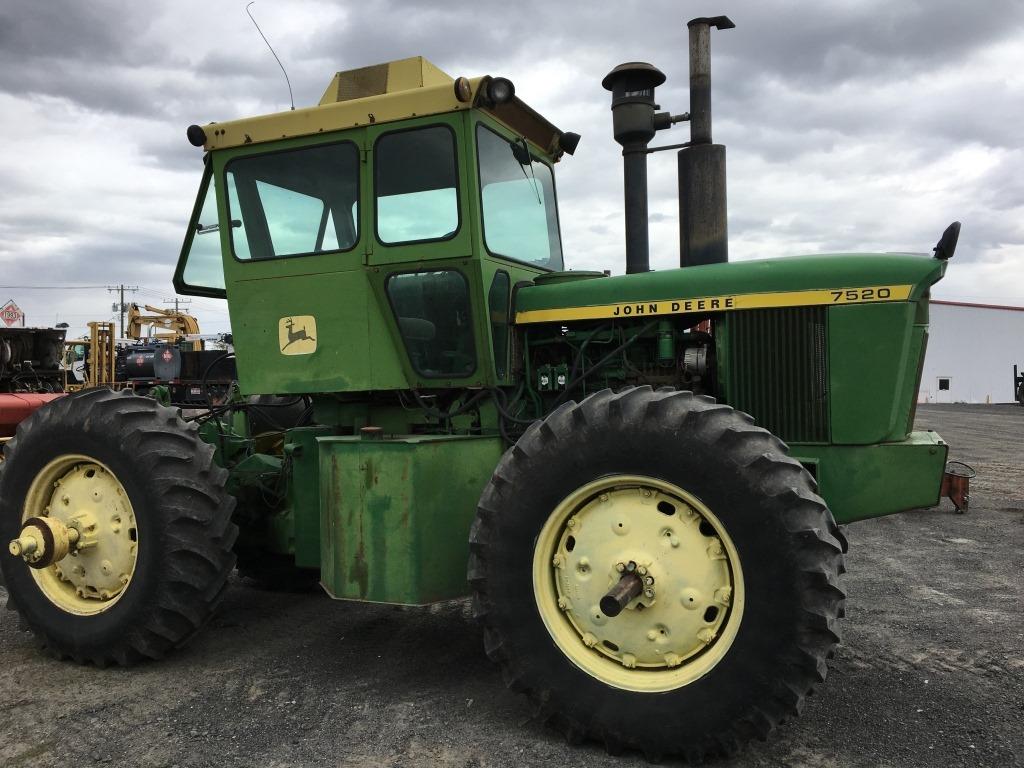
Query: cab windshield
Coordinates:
[520,217]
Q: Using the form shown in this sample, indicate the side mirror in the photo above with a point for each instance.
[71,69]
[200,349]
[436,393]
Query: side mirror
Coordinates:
[521,152]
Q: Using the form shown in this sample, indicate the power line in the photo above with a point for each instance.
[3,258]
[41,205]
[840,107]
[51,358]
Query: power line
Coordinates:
[52,287]
[177,302]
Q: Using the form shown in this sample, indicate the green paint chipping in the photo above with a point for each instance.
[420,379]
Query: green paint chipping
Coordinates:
[395,515]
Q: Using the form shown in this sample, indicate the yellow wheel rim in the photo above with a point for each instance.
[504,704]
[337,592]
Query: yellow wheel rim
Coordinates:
[82,493]
[687,617]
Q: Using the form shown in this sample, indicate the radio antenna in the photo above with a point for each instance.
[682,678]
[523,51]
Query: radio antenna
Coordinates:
[290,97]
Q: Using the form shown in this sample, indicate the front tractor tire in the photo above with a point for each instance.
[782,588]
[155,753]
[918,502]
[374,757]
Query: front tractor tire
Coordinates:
[118,528]
[656,573]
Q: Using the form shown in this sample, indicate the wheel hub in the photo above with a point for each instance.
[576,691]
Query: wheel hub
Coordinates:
[644,580]
[78,534]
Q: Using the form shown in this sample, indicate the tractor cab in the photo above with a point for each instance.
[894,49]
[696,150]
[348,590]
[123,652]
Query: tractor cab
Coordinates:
[404,206]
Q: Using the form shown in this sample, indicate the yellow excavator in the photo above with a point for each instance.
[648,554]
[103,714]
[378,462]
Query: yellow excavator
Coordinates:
[175,324]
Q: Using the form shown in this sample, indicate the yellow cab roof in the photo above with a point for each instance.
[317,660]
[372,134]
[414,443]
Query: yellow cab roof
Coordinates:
[383,93]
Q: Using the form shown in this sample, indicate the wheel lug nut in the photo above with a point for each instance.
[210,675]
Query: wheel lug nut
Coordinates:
[620,567]
[648,592]
[649,580]
[642,570]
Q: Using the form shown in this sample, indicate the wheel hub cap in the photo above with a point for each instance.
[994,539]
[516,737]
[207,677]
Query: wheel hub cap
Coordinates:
[669,562]
[79,534]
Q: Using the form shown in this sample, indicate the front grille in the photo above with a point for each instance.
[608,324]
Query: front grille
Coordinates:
[778,370]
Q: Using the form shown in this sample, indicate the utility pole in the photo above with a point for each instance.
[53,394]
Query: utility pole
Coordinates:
[121,307]
[176,301]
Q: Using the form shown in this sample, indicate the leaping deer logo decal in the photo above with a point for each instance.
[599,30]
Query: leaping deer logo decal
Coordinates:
[293,336]
[298,330]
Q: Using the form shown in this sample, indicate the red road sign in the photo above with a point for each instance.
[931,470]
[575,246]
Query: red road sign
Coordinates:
[11,314]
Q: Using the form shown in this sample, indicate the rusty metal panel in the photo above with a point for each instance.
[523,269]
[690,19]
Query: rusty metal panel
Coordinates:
[395,514]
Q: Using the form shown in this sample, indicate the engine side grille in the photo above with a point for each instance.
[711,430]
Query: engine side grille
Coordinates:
[779,370]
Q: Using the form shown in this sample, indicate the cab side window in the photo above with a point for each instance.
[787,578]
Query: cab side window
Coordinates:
[294,202]
[200,265]
[415,178]
[498,310]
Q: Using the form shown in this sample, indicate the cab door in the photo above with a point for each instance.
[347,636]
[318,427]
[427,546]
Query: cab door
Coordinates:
[419,203]
[302,309]
[426,275]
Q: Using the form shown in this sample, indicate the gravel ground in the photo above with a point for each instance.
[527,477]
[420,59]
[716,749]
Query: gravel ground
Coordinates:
[931,672]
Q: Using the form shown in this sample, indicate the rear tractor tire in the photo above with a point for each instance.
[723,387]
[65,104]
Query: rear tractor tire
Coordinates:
[118,526]
[656,573]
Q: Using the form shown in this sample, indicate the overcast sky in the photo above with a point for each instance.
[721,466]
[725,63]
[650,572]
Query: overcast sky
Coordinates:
[850,124]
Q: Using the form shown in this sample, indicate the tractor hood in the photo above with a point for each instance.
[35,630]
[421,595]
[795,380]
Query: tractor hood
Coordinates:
[828,279]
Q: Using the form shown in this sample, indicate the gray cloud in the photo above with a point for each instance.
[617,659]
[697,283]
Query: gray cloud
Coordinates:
[67,30]
[850,125]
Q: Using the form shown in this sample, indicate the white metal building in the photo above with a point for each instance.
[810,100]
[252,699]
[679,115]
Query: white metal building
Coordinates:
[972,349]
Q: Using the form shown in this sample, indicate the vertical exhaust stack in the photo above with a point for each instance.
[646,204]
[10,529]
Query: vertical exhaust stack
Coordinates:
[633,123]
[703,218]
[703,232]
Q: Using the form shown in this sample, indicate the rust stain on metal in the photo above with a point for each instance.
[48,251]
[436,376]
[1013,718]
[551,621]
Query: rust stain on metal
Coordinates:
[956,486]
[359,572]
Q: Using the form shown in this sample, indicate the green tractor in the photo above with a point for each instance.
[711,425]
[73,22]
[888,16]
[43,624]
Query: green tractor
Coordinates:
[644,474]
